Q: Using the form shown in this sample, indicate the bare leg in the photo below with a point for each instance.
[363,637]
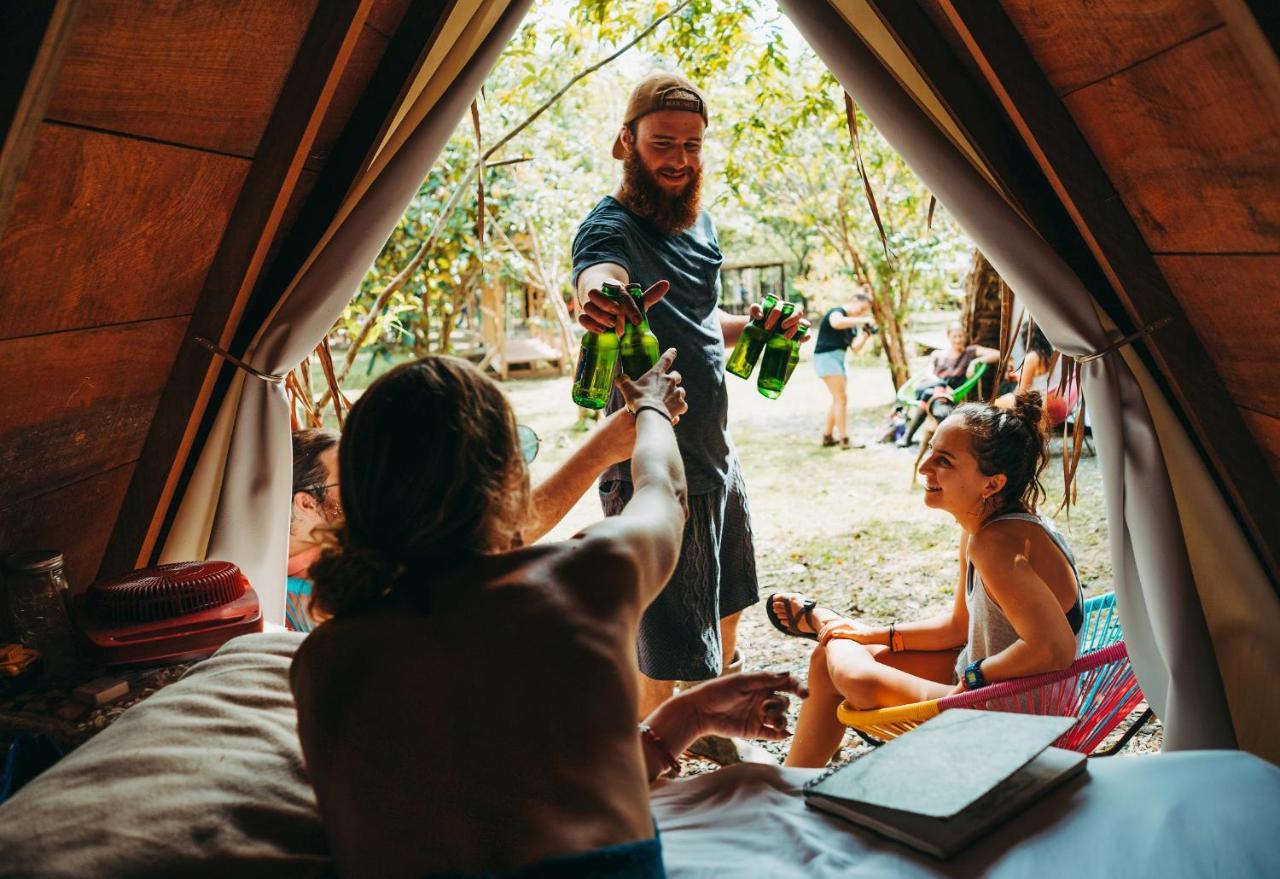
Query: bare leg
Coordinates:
[818,732]
[842,409]
[875,678]
[865,677]
[729,638]
[652,694]
[836,410]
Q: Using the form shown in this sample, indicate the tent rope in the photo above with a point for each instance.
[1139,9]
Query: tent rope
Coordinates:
[1127,340]
[237,362]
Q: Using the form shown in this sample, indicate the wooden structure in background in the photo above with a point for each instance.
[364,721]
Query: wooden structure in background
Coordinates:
[546,343]
[733,275]
[166,166]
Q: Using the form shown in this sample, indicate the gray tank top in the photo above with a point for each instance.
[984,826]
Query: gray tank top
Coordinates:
[989,629]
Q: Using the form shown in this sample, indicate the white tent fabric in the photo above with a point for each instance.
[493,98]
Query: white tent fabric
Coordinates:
[240,491]
[1165,627]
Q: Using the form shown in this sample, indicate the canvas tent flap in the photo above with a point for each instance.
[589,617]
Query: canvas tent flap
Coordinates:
[251,504]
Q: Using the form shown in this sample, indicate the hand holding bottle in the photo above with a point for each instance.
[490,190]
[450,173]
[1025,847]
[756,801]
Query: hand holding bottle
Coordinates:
[773,315]
[600,313]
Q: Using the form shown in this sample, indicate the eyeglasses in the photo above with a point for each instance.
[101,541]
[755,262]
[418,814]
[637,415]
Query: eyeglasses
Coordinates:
[529,442]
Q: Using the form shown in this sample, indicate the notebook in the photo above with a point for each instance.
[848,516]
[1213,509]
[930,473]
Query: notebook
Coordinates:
[945,783]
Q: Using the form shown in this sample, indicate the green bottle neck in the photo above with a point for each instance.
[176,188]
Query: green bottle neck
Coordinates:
[643,326]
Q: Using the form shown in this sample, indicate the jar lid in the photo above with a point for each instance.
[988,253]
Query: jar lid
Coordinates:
[33,561]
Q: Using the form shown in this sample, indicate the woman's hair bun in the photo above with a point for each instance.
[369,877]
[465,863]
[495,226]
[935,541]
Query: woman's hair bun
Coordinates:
[1028,407]
[350,576]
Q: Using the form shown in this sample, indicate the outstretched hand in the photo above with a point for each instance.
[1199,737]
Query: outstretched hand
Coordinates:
[752,705]
[601,314]
[660,387]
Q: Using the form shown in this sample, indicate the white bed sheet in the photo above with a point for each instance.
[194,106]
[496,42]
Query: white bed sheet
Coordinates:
[1193,814]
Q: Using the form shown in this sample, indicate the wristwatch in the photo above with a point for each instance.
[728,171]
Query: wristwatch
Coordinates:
[973,677]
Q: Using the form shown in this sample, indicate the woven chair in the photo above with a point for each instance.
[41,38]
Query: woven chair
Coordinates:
[1098,689]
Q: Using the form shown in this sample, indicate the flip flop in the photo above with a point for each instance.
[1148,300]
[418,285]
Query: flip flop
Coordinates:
[790,628]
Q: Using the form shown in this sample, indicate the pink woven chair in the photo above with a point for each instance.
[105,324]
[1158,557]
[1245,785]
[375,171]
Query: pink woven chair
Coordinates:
[1099,689]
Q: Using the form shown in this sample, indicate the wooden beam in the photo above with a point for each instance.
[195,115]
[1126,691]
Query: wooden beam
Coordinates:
[34,36]
[1246,21]
[237,265]
[351,154]
[1081,185]
[976,110]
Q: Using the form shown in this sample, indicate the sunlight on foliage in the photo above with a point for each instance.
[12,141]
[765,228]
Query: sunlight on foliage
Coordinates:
[779,176]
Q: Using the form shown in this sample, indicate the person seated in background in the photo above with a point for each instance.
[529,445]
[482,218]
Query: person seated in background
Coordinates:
[837,333]
[315,506]
[469,706]
[951,366]
[1038,362]
[1018,610]
[1039,372]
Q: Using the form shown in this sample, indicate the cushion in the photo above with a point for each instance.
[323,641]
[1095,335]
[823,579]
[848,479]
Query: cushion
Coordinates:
[204,778]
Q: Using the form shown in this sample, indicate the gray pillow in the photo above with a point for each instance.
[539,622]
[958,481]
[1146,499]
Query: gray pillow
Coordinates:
[204,778]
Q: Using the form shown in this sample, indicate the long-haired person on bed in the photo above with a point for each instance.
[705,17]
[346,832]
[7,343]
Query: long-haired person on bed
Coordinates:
[1018,607]
[469,707]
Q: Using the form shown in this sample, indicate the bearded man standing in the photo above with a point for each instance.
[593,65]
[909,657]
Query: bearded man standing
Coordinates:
[652,231]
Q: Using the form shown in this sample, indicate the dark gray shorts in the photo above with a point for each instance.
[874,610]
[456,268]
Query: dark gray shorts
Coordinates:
[715,577]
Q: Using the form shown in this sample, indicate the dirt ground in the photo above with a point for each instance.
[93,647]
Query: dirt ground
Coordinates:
[848,527]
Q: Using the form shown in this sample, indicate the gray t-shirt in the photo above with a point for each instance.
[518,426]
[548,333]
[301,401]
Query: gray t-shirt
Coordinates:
[685,319]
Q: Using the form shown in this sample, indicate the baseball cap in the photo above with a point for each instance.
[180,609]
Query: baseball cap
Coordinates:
[660,91]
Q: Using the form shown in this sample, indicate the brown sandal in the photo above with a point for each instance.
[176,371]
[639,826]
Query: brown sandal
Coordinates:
[789,627]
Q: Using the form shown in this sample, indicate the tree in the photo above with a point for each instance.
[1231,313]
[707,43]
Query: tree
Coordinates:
[797,161]
[779,180]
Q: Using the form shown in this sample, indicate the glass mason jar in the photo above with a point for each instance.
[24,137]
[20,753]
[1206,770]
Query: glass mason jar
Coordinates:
[35,597]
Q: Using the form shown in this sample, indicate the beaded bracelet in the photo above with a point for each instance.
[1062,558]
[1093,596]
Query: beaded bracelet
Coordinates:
[670,765]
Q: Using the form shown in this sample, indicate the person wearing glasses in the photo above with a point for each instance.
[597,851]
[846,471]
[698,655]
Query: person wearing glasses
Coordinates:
[469,705]
[316,505]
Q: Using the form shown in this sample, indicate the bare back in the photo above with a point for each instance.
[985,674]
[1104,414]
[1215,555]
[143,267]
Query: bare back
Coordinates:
[421,764]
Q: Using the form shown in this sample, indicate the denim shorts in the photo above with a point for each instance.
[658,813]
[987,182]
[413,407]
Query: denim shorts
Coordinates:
[715,577]
[829,362]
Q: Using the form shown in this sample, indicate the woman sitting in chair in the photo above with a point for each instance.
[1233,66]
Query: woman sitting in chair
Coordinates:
[468,707]
[1018,608]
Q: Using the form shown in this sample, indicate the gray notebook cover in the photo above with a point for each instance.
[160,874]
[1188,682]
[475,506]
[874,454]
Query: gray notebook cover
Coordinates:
[945,765]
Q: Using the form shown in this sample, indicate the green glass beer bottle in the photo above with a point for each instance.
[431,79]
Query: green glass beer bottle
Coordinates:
[639,346]
[777,354]
[801,329]
[745,354]
[597,360]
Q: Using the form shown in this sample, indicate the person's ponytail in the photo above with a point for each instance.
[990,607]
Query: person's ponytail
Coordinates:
[348,577]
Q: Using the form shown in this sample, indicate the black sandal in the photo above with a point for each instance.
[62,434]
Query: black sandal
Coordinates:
[790,627]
